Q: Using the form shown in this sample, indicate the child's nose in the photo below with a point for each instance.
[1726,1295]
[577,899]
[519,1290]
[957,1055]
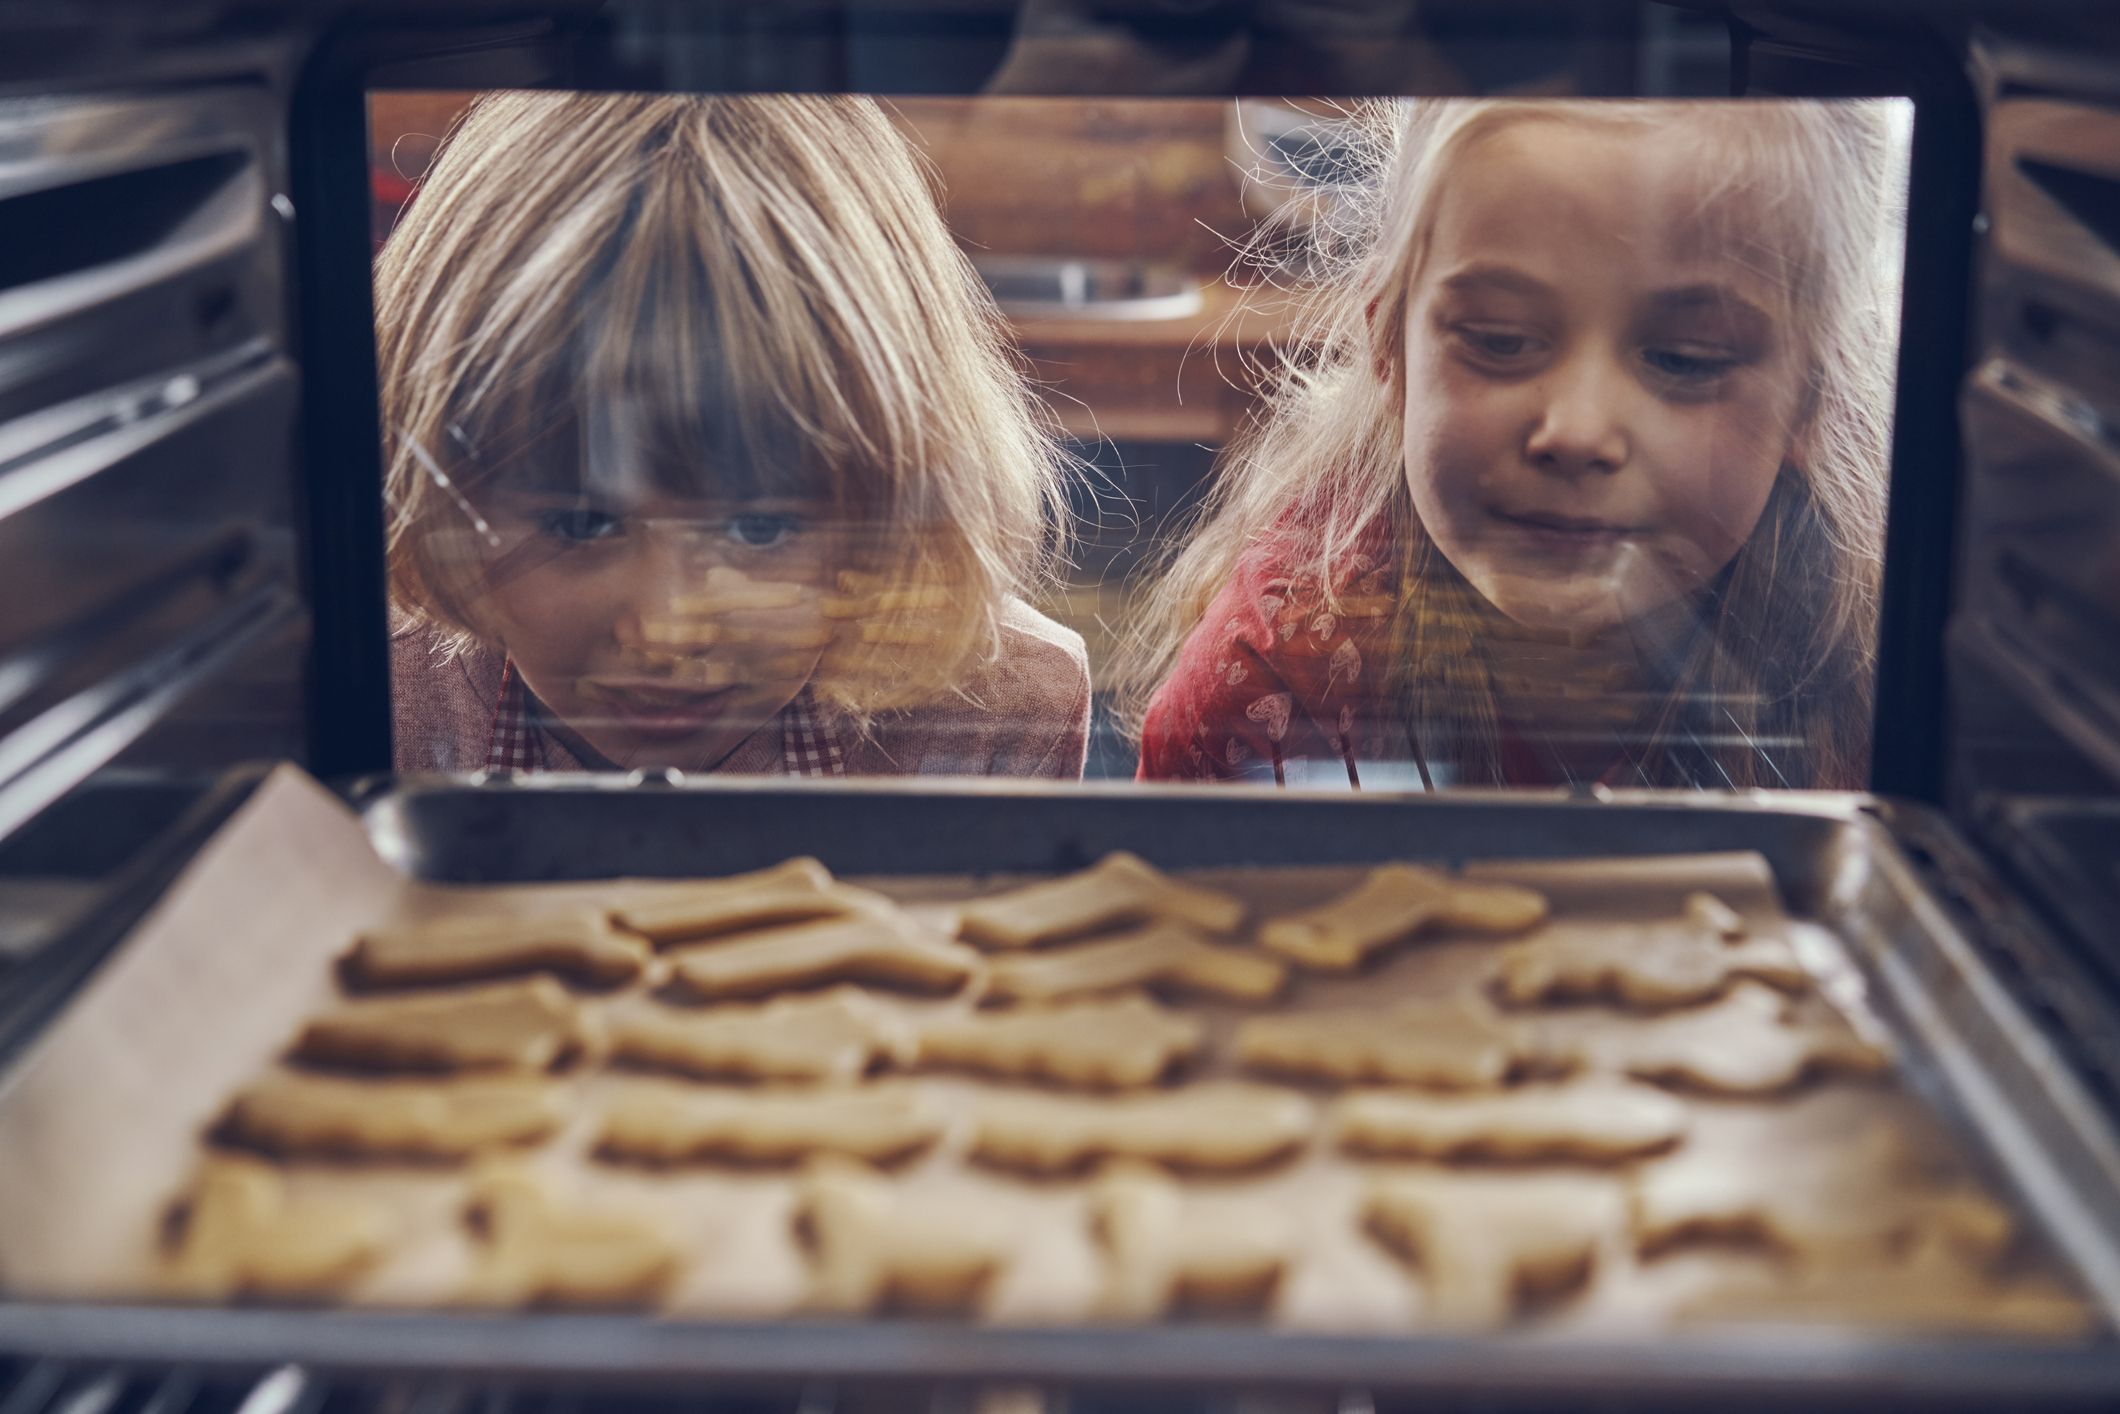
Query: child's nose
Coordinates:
[663,569]
[1578,430]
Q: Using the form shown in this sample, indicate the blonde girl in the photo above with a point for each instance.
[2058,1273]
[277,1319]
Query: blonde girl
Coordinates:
[1579,475]
[706,451]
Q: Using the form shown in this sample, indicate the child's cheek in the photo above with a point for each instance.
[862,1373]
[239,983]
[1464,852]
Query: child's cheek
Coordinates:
[1716,468]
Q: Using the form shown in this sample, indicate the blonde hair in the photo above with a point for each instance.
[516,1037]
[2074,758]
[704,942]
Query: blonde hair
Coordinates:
[1792,646]
[767,283]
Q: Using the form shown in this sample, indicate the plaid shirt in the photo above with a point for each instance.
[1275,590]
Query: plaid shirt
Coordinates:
[517,743]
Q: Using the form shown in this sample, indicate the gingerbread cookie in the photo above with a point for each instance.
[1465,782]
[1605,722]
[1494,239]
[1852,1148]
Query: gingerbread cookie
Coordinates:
[1695,959]
[1443,1043]
[296,1115]
[580,945]
[1855,1204]
[1123,1043]
[874,1248]
[671,1125]
[1213,1126]
[792,892]
[1394,903]
[1163,1254]
[1486,1246]
[1746,1044]
[837,1035]
[1591,1121]
[727,590]
[239,1233]
[1119,889]
[537,1250]
[883,950]
[527,1025]
[1170,957]
[1931,1294]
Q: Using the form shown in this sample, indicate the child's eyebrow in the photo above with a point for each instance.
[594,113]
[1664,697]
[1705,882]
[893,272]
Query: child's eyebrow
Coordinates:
[1494,277]
[1714,298]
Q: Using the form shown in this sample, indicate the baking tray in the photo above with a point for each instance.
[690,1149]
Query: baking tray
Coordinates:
[1971,1052]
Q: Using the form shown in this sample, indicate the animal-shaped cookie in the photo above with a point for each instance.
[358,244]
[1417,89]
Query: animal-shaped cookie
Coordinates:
[671,1124]
[1440,1043]
[1592,1121]
[1122,1043]
[1488,1245]
[1163,1253]
[1695,958]
[1749,1043]
[837,1035]
[1212,1126]
[1119,889]
[295,1115]
[792,892]
[1169,957]
[528,1025]
[876,949]
[1394,903]
[873,1247]
[1857,1203]
[579,944]
[239,1232]
[536,1249]
[1930,1293]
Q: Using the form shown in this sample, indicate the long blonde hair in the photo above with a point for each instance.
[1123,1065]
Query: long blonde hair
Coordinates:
[768,282]
[1792,646]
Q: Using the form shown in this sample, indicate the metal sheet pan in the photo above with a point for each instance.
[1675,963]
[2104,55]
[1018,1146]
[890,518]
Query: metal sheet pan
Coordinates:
[1972,1051]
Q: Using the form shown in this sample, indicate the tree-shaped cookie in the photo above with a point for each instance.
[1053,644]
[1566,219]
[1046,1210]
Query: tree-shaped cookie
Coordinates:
[1212,1126]
[1751,1042]
[1678,962]
[1164,956]
[1396,902]
[527,1025]
[674,1124]
[1125,1042]
[836,1035]
[1487,1246]
[873,1247]
[881,949]
[1594,1120]
[1119,889]
[578,944]
[292,1114]
[1440,1042]
[1858,1203]
[1164,1252]
[239,1232]
[536,1249]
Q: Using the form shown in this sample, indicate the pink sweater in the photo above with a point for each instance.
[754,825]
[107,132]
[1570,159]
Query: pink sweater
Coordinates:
[1024,713]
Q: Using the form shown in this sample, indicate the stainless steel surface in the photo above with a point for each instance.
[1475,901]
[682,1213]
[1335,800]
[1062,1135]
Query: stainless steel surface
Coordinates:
[1064,287]
[1970,1049]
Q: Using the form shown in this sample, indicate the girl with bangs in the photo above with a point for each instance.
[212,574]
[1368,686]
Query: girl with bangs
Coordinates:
[1577,475]
[706,451]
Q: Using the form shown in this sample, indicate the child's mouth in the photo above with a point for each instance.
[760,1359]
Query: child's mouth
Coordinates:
[657,709]
[1561,535]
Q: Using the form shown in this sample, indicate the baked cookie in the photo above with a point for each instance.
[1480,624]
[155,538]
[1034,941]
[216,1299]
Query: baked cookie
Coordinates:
[536,1250]
[674,1125]
[1693,959]
[837,1035]
[1119,889]
[1487,1246]
[1746,1044]
[1443,1043]
[792,892]
[1214,1126]
[528,1025]
[580,945]
[1596,1121]
[1122,1043]
[1164,1254]
[295,1115]
[239,1233]
[1169,957]
[876,949]
[1394,903]
[874,1248]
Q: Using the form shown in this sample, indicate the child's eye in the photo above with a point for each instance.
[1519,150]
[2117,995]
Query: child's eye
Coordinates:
[1496,345]
[760,531]
[1688,364]
[578,525]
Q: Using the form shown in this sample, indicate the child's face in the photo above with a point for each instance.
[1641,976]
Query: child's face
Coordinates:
[658,632]
[1600,391]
